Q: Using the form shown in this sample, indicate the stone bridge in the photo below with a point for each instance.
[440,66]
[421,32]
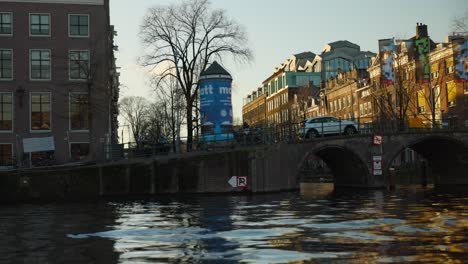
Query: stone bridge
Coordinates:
[351,159]
[268,167]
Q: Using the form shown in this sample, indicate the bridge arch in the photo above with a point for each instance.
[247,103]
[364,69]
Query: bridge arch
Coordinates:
[347,166]
[446,155]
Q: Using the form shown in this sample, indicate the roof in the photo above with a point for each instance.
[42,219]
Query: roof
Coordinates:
[215,69]
[342,44]
[305,55]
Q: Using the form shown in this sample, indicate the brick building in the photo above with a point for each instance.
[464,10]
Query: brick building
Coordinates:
[412,100]
[293,90]
[58,81]
[349,96]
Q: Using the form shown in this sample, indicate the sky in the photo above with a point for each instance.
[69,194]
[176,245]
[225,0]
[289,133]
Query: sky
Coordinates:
[277,29]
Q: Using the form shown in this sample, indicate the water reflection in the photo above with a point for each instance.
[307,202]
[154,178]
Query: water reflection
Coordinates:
[343,226]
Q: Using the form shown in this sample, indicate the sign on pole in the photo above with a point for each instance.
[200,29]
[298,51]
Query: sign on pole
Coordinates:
[378,139]
[377,165]
[238,181]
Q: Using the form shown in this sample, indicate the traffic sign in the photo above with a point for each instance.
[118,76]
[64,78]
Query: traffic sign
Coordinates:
[377,160]
[238,181]
[377,165]
[378,139]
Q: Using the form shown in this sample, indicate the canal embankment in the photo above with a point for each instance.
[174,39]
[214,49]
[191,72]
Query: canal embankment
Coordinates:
[203,172]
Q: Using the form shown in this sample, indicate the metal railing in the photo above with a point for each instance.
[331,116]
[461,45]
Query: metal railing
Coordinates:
[273,134]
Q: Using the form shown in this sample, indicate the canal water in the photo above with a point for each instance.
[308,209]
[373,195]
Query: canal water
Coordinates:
[318,225]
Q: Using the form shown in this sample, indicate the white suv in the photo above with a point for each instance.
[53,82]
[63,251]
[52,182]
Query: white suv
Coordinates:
[327,125]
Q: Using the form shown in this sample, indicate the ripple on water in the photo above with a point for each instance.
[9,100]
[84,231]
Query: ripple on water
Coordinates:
[360,236]
[355,224]
[256,234]
[284,256]
[286,221]
[418,229]
[401,259]
[149,234]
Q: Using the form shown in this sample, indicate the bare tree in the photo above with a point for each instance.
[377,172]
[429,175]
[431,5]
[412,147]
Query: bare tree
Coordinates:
[91,75]
[155,125]
[170,98]
[134,109]
[393,102]
[181,39]
[460,24]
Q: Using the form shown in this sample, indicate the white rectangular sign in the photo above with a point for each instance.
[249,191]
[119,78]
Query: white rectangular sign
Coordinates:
[377,165]
[238,181]
[38,144]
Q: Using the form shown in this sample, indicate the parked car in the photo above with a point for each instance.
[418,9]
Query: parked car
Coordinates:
[327,125]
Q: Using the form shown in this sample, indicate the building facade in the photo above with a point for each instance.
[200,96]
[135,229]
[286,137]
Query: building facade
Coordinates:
[418,101]
[275,102]
[293,90]
[58,81]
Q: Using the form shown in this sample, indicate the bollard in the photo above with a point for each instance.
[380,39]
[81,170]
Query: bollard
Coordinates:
[391,178]
[423,174]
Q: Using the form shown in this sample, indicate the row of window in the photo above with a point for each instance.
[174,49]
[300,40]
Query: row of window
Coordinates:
[40,25]
[341,103]
[41,111]
[40,65]
[277,102]
[78,151]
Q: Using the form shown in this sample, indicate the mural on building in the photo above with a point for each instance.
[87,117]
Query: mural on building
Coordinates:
[387,53]
[423,68]
[461,57]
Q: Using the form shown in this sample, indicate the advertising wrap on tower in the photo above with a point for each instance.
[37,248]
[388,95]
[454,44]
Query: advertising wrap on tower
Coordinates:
[461,61]
[387,53]
[216,106]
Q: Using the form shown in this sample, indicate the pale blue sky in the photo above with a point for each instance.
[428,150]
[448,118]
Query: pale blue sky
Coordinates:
[277,29]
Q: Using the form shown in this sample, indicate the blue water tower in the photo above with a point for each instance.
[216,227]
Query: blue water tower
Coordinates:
[215,103]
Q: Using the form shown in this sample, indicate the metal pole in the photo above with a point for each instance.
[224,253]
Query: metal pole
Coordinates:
[431,91]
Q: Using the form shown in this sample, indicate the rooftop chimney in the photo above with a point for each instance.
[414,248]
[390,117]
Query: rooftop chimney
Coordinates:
[421,30]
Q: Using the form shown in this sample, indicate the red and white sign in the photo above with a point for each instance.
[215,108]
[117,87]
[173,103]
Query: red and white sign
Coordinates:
[378,140]
[377,165]
[238,181]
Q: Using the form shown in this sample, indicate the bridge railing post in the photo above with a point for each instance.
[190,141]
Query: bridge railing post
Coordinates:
[321,134]
[339,122]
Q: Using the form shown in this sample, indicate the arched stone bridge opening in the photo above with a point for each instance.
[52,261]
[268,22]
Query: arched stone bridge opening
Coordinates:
[447,157]
[346,166]
[350,159]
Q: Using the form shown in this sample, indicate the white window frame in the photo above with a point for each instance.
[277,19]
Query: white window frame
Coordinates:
[11,34]
[30,113]
[50,26]
[30,65]
[12,114]
[449,70]
[12,153]
[12,67]
[69,64]
[79,36]
[69,115]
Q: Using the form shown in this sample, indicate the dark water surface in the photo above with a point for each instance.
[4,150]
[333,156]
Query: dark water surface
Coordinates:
[349,226]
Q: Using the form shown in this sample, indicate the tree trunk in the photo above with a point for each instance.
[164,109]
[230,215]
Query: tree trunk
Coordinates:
[189,126]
